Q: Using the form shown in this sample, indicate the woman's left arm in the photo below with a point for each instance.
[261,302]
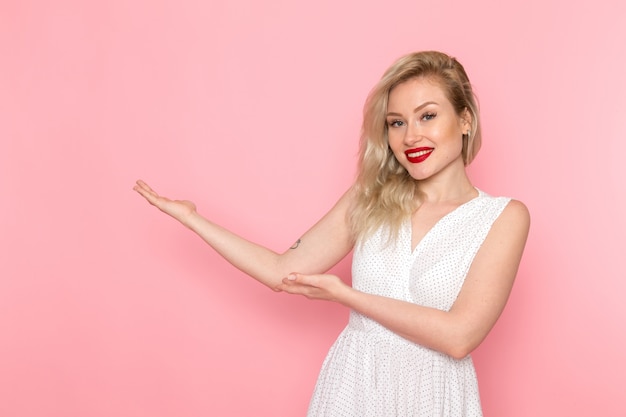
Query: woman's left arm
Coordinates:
[480,302]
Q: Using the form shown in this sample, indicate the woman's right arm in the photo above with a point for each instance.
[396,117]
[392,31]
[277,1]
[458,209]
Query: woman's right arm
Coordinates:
[325,244]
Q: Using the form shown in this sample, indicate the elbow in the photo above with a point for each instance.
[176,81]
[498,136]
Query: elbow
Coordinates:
[459,351]
[276,286]
[461,339]
[461,347]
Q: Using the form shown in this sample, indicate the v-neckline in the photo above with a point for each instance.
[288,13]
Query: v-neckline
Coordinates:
[437,223]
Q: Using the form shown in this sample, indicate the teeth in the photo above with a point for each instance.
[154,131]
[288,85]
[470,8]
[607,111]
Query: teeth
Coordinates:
[420,153]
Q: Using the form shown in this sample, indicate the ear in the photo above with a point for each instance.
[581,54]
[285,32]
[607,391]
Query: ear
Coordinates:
[466,120]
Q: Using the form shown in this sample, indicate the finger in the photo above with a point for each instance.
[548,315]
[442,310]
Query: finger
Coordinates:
[143,191]
[152,197]
[290,285]
[296,289]
[141,185]
[302,279]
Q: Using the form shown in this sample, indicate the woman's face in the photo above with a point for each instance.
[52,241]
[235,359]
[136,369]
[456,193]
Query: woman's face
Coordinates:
[425,133]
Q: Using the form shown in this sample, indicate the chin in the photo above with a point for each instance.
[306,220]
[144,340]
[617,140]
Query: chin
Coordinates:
[416,174]
[419,176]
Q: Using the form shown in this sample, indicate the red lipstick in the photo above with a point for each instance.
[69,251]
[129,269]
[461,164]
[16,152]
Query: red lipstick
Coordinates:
[418,155]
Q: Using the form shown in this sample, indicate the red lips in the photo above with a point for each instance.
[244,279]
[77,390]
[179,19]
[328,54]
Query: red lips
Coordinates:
[418,155]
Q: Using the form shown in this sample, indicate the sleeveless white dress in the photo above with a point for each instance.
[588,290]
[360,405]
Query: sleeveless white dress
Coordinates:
[371,371]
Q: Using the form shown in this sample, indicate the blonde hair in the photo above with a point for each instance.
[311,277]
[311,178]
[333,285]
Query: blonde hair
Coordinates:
[385,194]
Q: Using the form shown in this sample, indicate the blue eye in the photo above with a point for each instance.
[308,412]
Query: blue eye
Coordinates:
[395,123]
[429,116]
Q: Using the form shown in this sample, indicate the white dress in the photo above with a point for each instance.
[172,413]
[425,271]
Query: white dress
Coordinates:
[371,371]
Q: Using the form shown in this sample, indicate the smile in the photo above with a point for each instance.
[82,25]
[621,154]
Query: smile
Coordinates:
[418,155]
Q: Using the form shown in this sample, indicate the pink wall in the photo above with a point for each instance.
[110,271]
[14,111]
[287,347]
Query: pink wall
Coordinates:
[252,109]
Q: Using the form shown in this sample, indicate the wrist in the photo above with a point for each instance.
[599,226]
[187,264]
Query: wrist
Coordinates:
[190,220]
[347,296]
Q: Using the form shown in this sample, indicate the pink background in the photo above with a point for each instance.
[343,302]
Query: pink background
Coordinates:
[252,109]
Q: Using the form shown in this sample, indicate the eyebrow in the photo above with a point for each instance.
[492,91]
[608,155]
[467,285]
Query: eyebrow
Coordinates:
[415,110]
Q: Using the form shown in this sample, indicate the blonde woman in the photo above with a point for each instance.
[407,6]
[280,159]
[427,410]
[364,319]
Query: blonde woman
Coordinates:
[434,257]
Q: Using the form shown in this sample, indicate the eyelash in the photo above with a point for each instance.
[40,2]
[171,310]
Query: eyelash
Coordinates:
[394,123]
[398,122]
[429,116]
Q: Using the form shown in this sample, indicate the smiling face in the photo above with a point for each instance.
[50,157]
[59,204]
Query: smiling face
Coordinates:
[424,131]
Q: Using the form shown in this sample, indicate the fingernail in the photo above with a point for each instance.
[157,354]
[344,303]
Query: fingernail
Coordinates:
[291,277]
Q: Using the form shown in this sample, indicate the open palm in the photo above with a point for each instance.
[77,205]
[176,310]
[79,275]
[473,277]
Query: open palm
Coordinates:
[179,209]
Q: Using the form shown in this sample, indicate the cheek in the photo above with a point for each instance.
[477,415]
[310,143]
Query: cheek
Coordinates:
[456,147]
[452,136]
[395,141]
[396,150]
[450,142]
[393,136]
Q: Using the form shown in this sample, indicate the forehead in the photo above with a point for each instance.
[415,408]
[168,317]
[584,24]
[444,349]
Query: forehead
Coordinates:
[416,91]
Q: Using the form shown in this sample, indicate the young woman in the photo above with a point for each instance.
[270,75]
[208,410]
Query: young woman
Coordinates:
[434,257]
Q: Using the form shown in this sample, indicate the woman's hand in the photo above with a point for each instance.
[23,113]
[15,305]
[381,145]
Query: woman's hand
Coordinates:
[316,287]
[181,210]
[327,242]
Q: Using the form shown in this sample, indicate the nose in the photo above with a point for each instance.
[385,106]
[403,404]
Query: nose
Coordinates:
[412,134]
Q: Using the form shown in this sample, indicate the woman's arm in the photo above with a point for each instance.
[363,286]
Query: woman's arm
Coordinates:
[325,244]
[478,306]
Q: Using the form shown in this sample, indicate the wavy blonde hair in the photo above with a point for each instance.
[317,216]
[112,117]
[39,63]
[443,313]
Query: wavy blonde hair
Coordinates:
[385,194]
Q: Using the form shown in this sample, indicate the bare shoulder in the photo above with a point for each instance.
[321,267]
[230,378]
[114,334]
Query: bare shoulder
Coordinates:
[516,214]
[512,225]
[518,208]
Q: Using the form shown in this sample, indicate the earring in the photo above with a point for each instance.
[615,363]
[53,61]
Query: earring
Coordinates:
[465,142]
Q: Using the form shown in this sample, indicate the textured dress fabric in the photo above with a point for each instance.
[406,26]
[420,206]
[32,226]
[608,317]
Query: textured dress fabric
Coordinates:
[371,371]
